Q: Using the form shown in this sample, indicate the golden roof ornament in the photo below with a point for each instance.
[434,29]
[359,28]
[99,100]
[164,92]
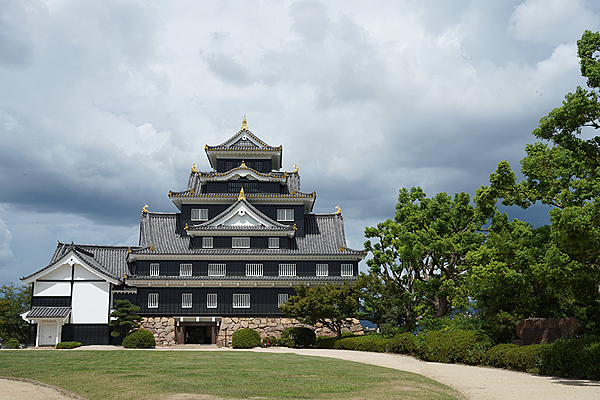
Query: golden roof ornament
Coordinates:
[295,227]
[338,209]
[243,165]
[242,196]
[295,168]
[186,227]
[294,192]
[170,193]
[342,248]
[244,124]
[194,168]
[145,208]
[129,249]
[192,191]
[152,248]
[124,276]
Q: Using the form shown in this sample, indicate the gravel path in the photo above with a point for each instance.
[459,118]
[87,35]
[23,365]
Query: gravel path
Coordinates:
[475,383]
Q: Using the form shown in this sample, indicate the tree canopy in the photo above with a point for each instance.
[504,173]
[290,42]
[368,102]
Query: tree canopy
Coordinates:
[13,302]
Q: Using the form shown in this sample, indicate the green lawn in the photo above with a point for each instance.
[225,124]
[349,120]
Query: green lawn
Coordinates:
[214,374]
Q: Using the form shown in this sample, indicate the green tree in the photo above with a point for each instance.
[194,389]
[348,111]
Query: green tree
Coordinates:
[422,251]
[126,318]
[332,305]
[563,171]
[13,302]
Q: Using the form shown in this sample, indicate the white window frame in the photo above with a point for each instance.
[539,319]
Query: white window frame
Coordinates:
[254,270]
[347,270]
[186,300]
[211,300]
[322,270]
[154,269]
[240,242]
[273,242]
[199,214]
[282,298]
[285,214]
[152,300]
[207,242]
[287,269]
[185,269]
[217,269]
[241,300]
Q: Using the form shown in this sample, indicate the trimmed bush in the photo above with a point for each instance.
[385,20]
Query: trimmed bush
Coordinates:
[297,337]
[245,339]
[497,356]
[13,344]
[271,341]
[328,342]
[573,358]
[402,344]
[374,343]
[140,339]
[68,345]
[455,346]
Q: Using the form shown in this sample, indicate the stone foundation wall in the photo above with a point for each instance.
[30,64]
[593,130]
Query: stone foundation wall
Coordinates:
[163,329]
[272,327]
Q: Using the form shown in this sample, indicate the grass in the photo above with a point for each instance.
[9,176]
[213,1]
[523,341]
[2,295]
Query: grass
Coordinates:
[214,375]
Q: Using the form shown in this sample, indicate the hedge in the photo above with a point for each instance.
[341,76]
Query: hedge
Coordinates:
[510,356]
[573,358]
[68,345]
[455,346]
[140,339]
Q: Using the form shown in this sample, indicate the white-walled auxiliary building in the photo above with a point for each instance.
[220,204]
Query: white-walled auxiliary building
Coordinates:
[243,237]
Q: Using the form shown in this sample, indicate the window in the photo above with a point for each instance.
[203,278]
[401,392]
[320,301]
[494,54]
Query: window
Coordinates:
[186,300]
[281,299]
[254,270]
[228,165]
[217,269]
[154,269]
[285,214]
[211,300]
[240,243]
[347,270]
[152,300]
[273,242]
[207,242]
[241,301]
[249,187]
[199,214]
[185,269]
[287,269]
[322,270]
[258,166]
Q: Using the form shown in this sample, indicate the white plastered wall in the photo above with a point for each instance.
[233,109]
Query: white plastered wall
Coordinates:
[90,302]
[52,289]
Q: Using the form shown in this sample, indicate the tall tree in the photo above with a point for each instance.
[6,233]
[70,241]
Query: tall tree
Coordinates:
[422,251]
[332,305]
[563,171]
[13,302]
[125,317]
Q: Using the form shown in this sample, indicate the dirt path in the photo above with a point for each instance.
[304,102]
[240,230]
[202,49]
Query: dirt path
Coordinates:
[475,383]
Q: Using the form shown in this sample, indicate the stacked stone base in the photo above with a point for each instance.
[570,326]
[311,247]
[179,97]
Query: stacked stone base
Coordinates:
[163,328]
[272,327]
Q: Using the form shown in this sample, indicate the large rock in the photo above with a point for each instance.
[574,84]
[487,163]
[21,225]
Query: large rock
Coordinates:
[546,330]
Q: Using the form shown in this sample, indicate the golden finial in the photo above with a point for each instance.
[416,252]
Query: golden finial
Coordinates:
[152,248]
[244,124]
[285,175]
[145,208]
[242,196]
[205,147]
[243,165]
[342,248]
[338,209]
[194,168]
[294,227]
[170,193]
[294,192]
[295,168]
[186,228]
[129,249]
[192,191]
[124,276]
[315,193]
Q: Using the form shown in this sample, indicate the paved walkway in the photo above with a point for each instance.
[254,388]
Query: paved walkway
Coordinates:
[475,383]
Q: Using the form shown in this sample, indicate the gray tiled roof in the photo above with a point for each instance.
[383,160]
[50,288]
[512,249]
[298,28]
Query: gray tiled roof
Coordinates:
[324,235]
[243,278]
[241,146]
[49,312]
[109,260]
[277,226]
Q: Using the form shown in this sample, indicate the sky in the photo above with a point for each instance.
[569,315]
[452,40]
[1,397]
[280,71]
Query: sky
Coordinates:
[106,105]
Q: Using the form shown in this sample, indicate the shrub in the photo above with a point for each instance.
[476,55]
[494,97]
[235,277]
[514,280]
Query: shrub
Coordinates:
[245,339]
[402,344]
[13,344]
[374,343]
[327,342]
[140,339]
[455,346]
[271,341]
[67,345]
[573,358]
[497,356]
[297,337]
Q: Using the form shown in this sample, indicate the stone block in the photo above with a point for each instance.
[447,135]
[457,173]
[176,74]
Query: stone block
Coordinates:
[546,330]
[171,322]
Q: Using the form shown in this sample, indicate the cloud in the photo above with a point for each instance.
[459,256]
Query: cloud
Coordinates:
[6,254]
[551,21]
